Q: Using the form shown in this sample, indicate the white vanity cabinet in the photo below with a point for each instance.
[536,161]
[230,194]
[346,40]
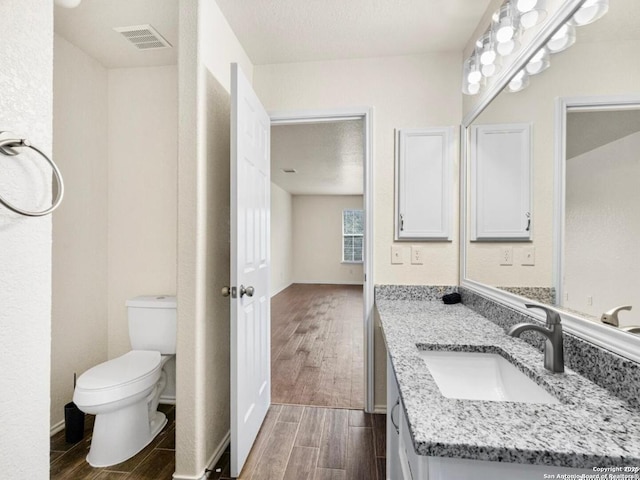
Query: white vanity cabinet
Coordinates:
[403,463]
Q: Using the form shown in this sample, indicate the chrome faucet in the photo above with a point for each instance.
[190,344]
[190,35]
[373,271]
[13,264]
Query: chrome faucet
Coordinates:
[611,317]
[553,346]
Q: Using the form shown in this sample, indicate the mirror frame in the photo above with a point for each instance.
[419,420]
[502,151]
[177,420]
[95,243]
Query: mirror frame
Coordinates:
[610,338]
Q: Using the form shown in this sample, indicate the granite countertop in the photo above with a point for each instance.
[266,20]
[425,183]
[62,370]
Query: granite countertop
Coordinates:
[588,428]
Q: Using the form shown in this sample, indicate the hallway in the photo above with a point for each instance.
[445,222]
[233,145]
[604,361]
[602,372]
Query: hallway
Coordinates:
[317,346]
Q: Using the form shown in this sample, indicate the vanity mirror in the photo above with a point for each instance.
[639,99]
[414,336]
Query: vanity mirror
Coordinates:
[565,222]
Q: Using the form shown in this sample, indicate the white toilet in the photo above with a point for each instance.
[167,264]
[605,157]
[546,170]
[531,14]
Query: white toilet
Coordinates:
[124,392]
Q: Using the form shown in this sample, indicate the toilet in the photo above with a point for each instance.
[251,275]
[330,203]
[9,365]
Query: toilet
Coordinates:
[123,393]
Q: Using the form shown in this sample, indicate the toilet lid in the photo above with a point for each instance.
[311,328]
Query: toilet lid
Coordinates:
[128,368]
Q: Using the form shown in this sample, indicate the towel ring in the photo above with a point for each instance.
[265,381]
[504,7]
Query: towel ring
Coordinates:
[8,146]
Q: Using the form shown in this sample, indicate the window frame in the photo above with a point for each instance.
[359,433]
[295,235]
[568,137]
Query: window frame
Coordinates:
[353,235]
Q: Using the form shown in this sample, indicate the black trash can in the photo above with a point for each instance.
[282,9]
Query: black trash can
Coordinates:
[73,423]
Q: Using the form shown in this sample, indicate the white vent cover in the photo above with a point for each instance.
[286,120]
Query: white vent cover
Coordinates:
[143,37]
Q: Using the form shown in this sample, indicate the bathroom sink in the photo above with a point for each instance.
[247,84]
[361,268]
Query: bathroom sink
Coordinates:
[482,376]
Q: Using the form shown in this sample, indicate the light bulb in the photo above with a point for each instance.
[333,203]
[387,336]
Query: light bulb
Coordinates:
[539,62]
[507,48]
[519,82]
[562,39]
[486,47]
[505,23]
[68,3]
[589,12]
[532,12]
[489,70]
[526,5]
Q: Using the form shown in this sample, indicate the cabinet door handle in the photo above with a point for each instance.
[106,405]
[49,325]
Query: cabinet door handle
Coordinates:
[395,425]
[401,222]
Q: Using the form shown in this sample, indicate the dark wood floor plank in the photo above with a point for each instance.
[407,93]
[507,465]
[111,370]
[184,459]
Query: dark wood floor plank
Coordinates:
[333,446]
[381,464]
[317,346]
[380,434]
[310,432]
[273,461]
[111,476]
[262,441]
[330,474]
[359,418]
[361,463]
[302,464]
[159,465]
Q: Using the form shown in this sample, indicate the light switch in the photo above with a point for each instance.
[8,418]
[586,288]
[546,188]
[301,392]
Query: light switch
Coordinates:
[396,255]
[528,256]
[417,255]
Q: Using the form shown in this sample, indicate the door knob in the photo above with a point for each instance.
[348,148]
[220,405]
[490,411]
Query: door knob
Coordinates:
[226,291]
[248,291]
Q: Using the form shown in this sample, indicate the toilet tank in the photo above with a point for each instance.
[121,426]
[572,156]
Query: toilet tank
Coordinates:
[152,323]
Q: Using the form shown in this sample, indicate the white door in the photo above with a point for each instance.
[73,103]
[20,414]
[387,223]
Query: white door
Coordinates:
[250,263]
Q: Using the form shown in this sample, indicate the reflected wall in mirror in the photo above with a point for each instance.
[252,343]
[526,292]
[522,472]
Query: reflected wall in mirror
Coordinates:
[603,61]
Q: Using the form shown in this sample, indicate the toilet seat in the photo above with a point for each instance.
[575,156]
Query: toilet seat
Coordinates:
[117,379]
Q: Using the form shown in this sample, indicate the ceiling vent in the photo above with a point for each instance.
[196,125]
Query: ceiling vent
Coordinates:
[289,170]
[143,37]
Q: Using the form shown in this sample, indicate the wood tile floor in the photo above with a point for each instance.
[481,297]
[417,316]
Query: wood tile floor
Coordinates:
[317,346]
[155,462]
[312,443]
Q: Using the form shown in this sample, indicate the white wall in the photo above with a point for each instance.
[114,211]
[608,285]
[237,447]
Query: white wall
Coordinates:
[142,218]
[281,239]
[407,91]
[317,239]
[602,228]
[26,84]
[79,297]
[207,46]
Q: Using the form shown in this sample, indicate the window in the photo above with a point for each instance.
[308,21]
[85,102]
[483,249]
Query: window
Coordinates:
[352,235]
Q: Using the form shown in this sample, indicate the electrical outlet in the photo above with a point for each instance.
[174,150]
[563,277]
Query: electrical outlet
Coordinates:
[506,256]
[396,255]
[528,256]
[417,255]
[590,300]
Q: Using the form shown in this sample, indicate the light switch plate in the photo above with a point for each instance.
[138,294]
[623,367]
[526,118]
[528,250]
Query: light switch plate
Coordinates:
[396,255]
[528,256]
[417,255]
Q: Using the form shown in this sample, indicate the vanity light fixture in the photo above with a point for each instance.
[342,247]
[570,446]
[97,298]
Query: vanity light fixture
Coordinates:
[539,62]
[532,12]
[503,38]
[589,12]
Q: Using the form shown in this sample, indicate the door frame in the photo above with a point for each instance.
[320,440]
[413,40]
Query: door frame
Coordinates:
[298,117]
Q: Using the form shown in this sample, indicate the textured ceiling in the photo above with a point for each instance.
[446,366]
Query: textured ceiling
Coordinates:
[328,157]
[90,27]
[587,131]
[280,31]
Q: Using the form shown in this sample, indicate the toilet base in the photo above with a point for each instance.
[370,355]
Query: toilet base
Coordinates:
[119,435]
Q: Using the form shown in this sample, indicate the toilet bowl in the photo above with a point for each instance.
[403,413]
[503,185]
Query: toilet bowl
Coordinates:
[123,393]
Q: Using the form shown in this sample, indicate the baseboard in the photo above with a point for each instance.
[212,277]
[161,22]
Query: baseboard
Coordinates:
[58,427]
[217,453]
[380,409]
[273,294]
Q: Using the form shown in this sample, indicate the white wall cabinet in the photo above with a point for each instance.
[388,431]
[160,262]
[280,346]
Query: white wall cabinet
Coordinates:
[501,182]
[424,169]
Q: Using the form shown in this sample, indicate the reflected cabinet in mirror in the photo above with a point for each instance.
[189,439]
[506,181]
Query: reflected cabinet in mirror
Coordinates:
[573,239]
